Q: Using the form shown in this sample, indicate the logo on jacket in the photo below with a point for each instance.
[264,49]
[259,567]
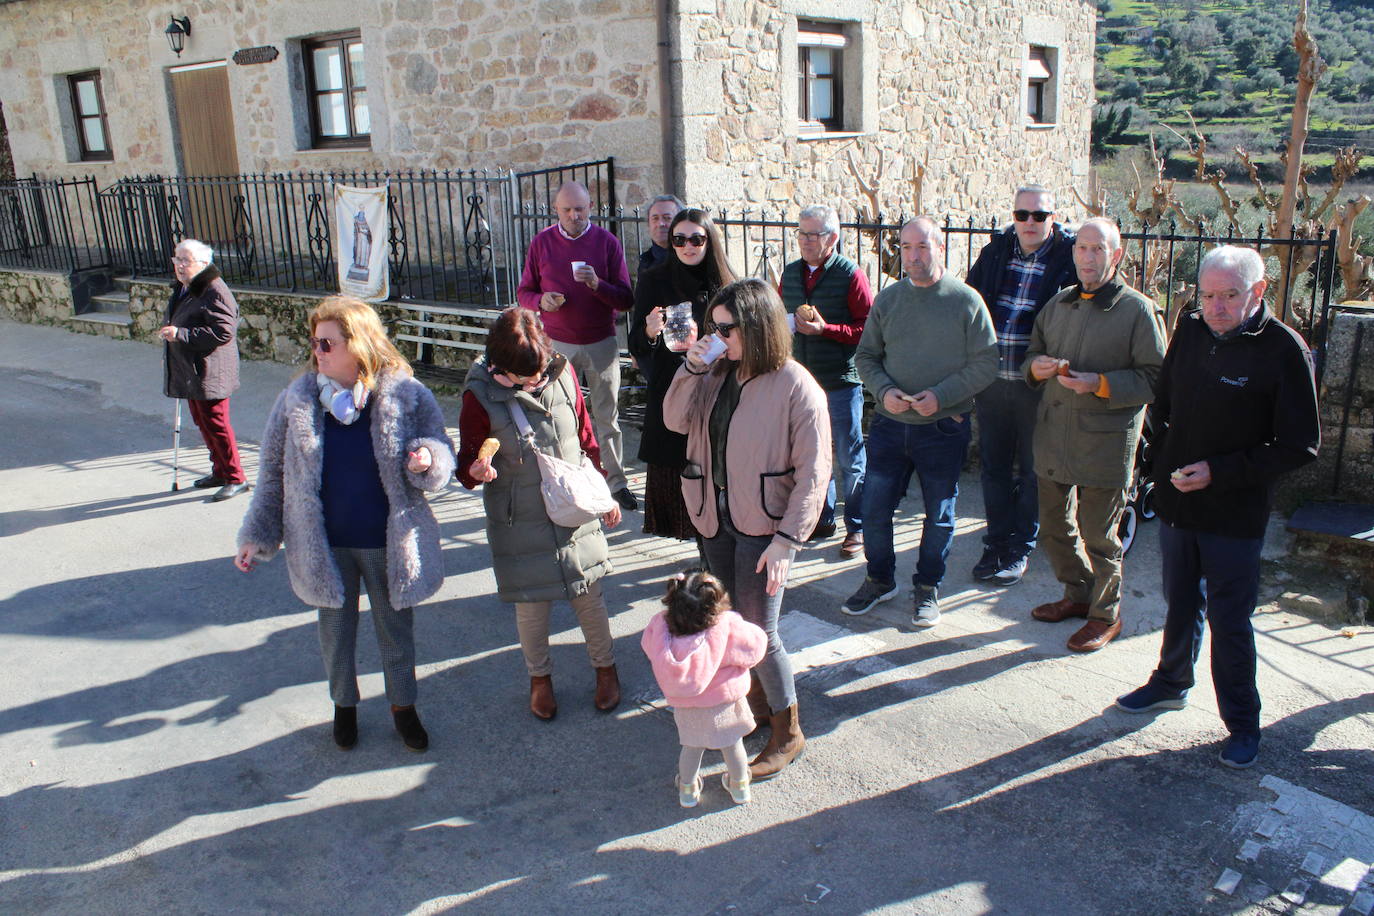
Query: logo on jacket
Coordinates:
[1235,382]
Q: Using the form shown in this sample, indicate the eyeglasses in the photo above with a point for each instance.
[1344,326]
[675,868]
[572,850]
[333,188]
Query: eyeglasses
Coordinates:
[1038,215]
[723,328]
[323,344]
[811,236]
[696,240]
[182,262]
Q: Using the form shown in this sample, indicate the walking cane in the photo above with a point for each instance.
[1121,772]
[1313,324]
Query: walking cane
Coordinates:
[176,441]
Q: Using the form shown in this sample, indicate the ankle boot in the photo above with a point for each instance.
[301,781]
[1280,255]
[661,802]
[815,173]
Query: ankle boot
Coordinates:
[607,688]
[785,745]
[345,726]
[758,705]
[409,727]
[542,702]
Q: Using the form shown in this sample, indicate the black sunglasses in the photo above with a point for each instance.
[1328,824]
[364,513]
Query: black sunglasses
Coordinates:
[323,344]
[1038,215]
[724,328]
[540,376]
[696,240]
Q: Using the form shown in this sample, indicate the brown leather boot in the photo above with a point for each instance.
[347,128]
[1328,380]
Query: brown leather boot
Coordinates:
[542,703]
[785,745]
[758,705]
[607,689]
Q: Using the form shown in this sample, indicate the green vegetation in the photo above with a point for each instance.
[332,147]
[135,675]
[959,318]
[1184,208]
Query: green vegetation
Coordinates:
[1231,65]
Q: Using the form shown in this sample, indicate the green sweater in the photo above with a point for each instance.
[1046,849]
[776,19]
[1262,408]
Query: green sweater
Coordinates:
[938,337]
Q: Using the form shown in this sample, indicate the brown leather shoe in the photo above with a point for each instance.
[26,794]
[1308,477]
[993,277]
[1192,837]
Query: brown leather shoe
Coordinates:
[542,703]
[853,545]
[785,744]
[1094,634]
[1059,610]
[607,689]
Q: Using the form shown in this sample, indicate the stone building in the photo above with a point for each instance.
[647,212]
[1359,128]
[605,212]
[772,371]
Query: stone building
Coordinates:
[732,103]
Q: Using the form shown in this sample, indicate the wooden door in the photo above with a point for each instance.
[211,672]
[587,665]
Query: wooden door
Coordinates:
[205,138]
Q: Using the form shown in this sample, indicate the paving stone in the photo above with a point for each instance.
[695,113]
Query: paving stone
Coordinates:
[1363,903]
[1249,850]
[1296,891]
[1228,882]
[1314,864]
[1269,826]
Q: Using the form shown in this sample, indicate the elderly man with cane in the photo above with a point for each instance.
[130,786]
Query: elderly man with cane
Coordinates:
[202,362]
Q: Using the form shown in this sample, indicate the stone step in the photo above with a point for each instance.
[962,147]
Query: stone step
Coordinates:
[115,301]
[1340,536]
[123,284]
[106,324]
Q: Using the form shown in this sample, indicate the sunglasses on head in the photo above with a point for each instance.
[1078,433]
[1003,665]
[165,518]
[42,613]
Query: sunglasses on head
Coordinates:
[1038,215]
[696,240]
[323,344]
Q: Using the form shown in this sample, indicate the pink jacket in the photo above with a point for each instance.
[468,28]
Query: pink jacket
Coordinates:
[707,668]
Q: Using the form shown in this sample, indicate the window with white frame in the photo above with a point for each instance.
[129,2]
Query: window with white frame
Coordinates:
[820,77]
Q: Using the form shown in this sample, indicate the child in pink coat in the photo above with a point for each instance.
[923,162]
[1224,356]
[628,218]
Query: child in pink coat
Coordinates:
[701,652]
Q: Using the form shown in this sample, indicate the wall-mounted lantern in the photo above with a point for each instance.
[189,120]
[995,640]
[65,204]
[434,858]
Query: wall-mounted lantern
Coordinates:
[177,32]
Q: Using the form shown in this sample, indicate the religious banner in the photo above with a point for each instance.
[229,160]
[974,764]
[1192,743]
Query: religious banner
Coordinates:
[360,233]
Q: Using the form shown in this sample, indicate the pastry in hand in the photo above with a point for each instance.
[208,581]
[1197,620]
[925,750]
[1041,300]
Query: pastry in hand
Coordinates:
[806,312]
[1063,368]
[488,448]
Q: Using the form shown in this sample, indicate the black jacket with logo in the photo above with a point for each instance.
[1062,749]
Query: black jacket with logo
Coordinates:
[1245,404]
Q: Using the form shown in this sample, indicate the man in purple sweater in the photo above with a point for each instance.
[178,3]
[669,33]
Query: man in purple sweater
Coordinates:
[575,277]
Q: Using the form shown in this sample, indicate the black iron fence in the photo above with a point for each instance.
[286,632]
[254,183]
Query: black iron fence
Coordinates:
[51,224]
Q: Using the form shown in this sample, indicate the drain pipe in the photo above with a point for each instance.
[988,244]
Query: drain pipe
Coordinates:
[669,98]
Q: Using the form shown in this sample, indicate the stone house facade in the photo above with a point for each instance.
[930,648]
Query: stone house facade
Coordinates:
[731,103]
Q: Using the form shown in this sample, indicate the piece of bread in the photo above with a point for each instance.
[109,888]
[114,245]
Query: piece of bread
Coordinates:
[488,448]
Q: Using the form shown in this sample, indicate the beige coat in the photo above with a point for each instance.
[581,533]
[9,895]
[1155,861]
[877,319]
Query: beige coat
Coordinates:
[777,455]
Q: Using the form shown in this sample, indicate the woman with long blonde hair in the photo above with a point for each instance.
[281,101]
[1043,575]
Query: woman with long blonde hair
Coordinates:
[350,447]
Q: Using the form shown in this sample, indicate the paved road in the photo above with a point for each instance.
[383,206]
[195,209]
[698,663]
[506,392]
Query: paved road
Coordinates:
[164,728]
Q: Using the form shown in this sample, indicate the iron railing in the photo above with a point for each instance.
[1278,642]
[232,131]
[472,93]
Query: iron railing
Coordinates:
[51,224]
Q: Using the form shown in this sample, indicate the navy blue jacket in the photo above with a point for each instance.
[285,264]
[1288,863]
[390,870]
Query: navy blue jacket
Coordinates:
[1247,405]
[986,273]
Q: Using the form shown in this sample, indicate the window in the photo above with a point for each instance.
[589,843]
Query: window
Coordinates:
[1040,85]
[88,113]
[337,88]
[820,69]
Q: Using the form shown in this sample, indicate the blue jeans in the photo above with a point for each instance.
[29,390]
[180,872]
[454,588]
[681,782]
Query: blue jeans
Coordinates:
[1006,423]
[1230,569]
[846,432]
[935,452]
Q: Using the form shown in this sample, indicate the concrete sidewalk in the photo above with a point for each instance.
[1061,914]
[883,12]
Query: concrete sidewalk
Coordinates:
[164,725]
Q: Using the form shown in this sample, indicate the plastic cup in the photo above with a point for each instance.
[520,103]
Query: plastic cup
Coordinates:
[714,351]
[677,326]
[576,265]
[792,323]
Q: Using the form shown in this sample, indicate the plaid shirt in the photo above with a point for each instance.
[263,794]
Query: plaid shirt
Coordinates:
[1013,316]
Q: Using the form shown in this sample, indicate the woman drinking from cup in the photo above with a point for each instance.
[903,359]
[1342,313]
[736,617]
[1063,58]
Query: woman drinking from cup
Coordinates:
[670,307]
[758,461]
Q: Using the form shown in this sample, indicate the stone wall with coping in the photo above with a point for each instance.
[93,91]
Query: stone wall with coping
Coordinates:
[938,83]
[452,84]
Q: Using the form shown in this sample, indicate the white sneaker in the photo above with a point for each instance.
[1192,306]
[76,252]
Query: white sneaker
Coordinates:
[740,793]
[688,796]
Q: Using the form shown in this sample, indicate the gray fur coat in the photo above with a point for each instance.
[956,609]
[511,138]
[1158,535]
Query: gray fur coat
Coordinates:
[286,502]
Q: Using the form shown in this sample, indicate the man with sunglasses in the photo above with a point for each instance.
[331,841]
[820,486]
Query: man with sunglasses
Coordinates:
[827,336]
[1016,274]
[576,278]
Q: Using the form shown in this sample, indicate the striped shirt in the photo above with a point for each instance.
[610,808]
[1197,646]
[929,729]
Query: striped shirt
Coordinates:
[1013,316]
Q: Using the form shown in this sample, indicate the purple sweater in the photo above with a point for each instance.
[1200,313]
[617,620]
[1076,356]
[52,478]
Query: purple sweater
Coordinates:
[586,317]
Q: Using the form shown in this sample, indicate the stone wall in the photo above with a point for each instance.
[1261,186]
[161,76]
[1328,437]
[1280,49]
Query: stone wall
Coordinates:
[35,296]
[938,84]
[451,83]
[1356,483]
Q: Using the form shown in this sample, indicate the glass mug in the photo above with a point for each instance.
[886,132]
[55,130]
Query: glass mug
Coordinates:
[677,326]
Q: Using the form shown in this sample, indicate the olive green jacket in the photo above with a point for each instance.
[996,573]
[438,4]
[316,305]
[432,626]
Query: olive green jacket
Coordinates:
[1082,439]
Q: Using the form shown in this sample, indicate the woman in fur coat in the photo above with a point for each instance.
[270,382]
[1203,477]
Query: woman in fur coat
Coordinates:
[350,446]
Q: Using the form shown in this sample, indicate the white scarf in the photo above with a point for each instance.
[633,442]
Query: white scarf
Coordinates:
[344,404]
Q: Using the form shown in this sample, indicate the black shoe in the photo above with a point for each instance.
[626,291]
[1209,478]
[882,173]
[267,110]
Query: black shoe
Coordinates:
[987,567]
[345,726]
[206,483]
[626,499]
[1011,572]
[228,491]
[822,532]
[409,727]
